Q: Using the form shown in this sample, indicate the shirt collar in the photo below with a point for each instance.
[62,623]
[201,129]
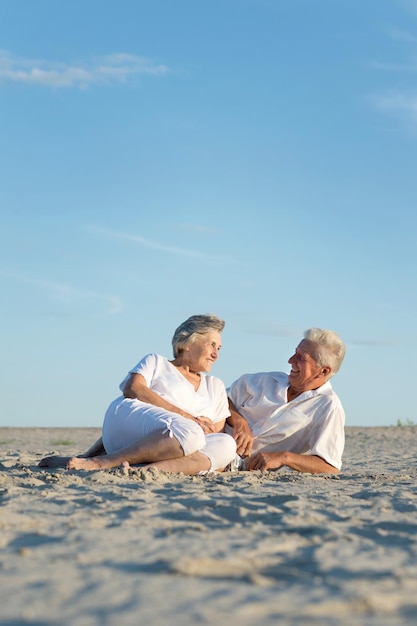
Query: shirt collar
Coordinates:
[324,390]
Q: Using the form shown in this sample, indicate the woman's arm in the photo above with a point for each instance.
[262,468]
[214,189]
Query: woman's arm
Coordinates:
[136,388]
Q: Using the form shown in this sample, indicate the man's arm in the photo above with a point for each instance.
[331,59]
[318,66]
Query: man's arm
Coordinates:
[300,462]
[241,431]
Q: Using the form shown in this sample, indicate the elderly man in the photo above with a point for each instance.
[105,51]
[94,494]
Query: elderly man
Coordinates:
[296,419]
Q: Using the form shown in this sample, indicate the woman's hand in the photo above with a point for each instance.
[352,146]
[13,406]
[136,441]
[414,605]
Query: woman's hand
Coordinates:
[206,424]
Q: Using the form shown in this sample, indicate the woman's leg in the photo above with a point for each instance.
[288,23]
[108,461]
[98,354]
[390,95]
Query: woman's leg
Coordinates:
[218,451]
[155,446]
[191,465]
[137,433]
[61,461]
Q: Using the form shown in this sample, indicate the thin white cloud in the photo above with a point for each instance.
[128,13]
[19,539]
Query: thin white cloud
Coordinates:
[399,34]
[410,68]
[410,5]
[154,245]
[276,331]
[195,228]
[67,294]
[373,343]
[398,104]
[115,68]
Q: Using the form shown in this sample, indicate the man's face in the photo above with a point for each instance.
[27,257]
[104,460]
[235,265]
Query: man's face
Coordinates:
[305,372]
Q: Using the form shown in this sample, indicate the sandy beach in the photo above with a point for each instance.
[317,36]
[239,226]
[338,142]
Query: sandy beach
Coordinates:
[109,548]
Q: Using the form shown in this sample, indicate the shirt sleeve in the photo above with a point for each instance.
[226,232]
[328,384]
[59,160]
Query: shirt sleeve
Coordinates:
[328,441]
[237,392]
[145,367]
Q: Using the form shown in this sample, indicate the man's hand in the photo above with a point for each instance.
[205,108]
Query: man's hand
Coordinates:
[241,432]
[243,437]
[300,462]
[266,461]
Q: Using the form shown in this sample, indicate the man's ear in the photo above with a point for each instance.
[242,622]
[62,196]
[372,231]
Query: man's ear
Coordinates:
[326,371]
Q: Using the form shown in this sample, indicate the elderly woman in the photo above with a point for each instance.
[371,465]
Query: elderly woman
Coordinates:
[170,415]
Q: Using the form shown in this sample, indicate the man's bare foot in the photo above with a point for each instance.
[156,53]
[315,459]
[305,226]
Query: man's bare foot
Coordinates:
[54,461]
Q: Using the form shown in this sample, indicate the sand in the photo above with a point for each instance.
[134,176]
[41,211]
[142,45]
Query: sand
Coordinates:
[109,548]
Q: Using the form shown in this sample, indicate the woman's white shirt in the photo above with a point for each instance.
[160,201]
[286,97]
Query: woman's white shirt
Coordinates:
[209,400]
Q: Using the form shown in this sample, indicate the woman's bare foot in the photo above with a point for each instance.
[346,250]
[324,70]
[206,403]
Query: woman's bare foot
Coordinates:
[54,461]
[125,466]
[78,463]
[95,463]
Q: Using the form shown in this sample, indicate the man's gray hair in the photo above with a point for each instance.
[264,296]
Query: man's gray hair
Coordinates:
[330,348]
[196,325]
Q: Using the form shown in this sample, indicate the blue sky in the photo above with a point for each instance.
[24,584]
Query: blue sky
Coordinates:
[160,158]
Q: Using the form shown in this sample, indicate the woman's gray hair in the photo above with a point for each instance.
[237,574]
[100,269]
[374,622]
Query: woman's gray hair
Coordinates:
[330,348]
[196,325]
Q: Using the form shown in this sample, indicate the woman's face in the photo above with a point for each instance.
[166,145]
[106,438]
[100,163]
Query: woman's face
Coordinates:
[203,352]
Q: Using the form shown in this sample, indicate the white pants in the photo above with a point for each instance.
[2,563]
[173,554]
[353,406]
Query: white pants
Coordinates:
[128,421]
